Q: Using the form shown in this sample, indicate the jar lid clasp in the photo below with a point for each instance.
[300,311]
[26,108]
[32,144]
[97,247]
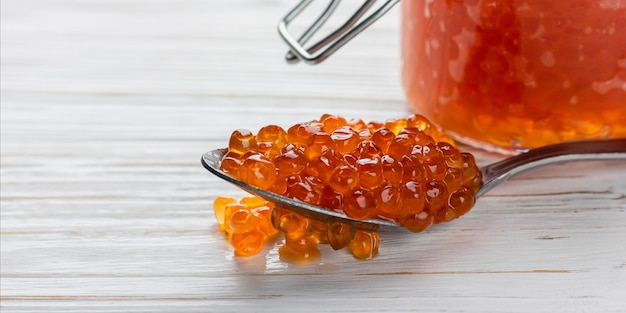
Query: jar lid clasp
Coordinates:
[335,40]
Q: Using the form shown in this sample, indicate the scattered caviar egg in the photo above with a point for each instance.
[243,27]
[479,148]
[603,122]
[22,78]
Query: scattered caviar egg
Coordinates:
[247,223]
[365,244]
[228,213]
[338,235]
[252,202]
[291,224]
[264,214]
[247,243]
[219,208]
[300,250]
[318,231]
[242,220]
[404,170]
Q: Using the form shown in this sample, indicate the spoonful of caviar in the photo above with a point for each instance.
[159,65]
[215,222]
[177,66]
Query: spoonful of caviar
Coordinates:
[403,172]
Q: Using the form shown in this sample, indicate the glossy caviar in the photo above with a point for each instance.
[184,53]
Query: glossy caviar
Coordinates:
[518,73]
[252,223]
[248,223]
[403,170]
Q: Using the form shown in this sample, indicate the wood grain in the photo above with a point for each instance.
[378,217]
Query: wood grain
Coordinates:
[107,107]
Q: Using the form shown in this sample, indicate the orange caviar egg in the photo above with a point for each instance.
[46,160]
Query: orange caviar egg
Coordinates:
[436,167]
[271,139]
[231,163]
[290,162]
[373,126]
[325,165]
[413,197]
[318,231]
[471,174]
[331,199]
[332,122]
[419,122]
[357,124]
[396,126]
[291,224]
[320,143]
[418,222]
[302,133]
[228,213]
[346,139]
[453,178]
[382,138]
[452,155]
[365,134]
[400,146]
[247,243]
[241,141]
[219,208]
[392,169]
[461,201]
[367,149]
[370,173]
[338,235]
[304,192]
[300,250]
[436,195]
[264,214]
[258,171]
[242,220]
[388,200]
[359,204]
[412,169]
[253,202]
[365,244]
[344,179]
[248,223]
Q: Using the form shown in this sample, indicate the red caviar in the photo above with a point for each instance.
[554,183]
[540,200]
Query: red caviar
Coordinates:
[517,74]
[404,170]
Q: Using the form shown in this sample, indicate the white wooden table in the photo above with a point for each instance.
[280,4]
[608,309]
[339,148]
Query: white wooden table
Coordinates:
[107,106]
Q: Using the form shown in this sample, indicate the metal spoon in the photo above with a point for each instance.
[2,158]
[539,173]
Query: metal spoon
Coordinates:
[492,174]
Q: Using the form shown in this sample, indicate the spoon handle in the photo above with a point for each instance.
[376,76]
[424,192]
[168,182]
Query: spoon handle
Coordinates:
[498,172]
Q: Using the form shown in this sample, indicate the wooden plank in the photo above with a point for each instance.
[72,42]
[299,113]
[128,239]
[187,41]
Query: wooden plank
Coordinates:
[107,107]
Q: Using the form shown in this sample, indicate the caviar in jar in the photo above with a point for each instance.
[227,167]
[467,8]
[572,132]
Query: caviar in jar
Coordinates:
[517,74]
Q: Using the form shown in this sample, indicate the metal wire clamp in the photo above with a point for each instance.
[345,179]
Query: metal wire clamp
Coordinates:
[331,43]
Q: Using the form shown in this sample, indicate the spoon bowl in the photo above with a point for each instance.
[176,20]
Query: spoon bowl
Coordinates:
[492,175]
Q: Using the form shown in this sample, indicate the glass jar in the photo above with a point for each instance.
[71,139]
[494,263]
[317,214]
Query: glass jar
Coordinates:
[517,73]
[502,74]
